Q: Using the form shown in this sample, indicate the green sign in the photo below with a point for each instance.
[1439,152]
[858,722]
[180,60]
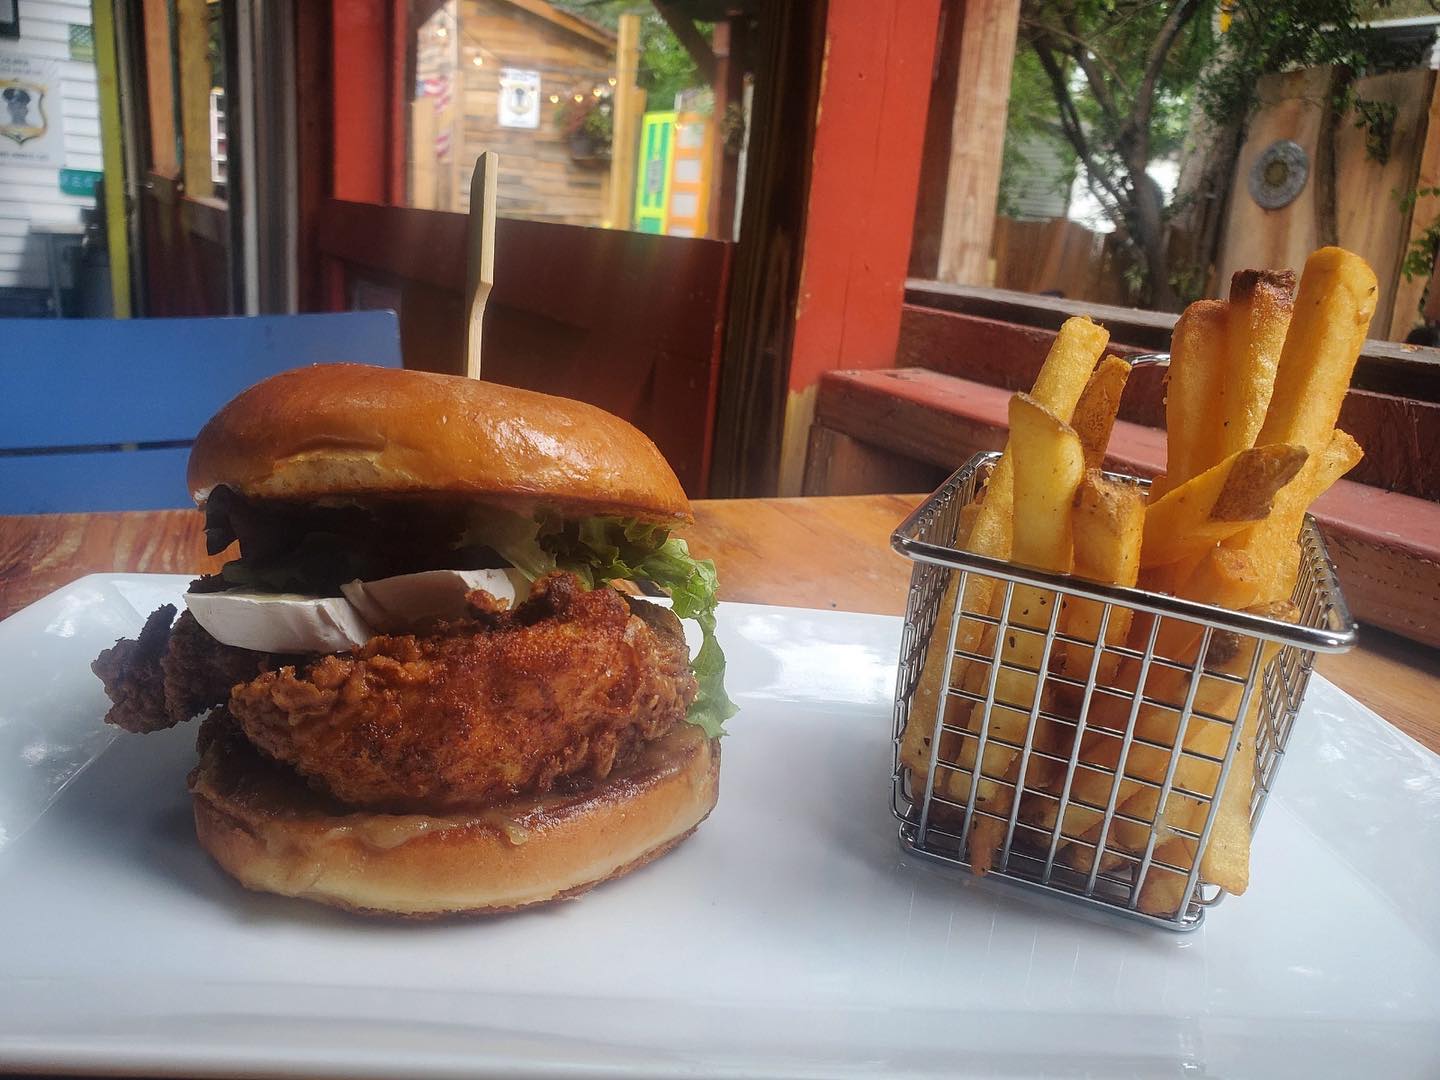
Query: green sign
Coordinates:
[79,181]
[82,42]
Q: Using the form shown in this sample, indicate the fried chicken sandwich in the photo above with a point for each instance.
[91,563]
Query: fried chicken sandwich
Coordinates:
[421,693]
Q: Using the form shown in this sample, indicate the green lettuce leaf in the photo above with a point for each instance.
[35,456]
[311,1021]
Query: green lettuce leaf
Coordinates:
[514,537]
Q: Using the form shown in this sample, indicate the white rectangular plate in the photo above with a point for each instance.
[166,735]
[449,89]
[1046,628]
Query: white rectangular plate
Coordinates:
[789,937]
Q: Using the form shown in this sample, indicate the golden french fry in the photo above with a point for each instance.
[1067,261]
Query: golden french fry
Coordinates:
[1197,363]
[1094,415]
[1226,858]
[1049,464]
[1218,503]
[1058,386]
[1107,522]
[1228,655]
[1271,543]
[1261,302]
[1226,861]
[1334,307]
[1226,577]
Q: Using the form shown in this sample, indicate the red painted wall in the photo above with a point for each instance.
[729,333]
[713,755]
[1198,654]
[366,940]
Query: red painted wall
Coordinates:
[869,135]
[363,108]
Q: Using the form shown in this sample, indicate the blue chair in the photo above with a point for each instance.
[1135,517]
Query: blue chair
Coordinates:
[100,414]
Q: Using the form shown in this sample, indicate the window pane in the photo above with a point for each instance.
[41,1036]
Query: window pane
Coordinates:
[584,137]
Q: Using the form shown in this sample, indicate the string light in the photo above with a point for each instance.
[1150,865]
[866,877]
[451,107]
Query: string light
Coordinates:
[554,99]
[579,98]
[441,32]
[596,91]
[612,80]
[477,61]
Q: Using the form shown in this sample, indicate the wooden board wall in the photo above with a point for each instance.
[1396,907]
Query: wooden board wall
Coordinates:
[564,318]
[1058,256]
[1355,205]
[539,180]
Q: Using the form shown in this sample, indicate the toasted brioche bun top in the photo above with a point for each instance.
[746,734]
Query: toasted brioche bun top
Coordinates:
[350,431]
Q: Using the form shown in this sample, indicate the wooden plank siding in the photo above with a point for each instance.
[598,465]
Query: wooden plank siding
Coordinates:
[1350,196]
[539,179]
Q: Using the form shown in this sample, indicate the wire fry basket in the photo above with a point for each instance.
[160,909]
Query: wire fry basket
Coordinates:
[1103,804]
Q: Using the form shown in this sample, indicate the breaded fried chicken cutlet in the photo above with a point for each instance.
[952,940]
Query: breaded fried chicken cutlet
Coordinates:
[422,696]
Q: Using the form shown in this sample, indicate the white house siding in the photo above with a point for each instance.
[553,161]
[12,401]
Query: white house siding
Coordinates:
[32,192]
[1040,189]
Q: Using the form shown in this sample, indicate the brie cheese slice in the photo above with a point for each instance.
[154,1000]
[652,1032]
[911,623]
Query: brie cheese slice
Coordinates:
[280,622]
[398,604]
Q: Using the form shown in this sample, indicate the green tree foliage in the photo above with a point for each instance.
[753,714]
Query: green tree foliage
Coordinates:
[665,67]
[1031,126]
[1281,35]
[1124,77]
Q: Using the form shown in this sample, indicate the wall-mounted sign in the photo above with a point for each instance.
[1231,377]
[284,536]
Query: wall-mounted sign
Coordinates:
[1279,174]
[79,181]
[519,98]
[30,125]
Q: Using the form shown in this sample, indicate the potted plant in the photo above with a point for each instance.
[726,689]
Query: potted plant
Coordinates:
[589,125]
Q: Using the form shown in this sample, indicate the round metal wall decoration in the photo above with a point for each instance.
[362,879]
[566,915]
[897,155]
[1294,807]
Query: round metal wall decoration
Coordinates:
[1279,174]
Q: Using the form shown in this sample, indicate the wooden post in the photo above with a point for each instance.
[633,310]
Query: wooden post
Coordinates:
[625,123]
[193,37]
[1406,314]
[729,45]
[861,204]
[160,89]
[965,141]
[422,154]
[459,152]
[117,236]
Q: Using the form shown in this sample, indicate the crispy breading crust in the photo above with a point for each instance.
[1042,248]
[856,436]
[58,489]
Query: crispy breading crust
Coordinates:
[481,709]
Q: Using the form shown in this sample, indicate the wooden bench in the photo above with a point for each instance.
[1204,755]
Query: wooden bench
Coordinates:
[100,414]
[905,429]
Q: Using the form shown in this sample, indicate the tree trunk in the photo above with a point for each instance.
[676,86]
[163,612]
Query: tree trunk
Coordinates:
[1148,232]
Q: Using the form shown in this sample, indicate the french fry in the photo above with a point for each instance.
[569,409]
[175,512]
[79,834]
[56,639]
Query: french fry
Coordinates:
[1197,361]
[1218,503]
[1272,543]
[1226,577]
[1261,302]
[1334,307]
[1049,464]
[1229,655]
[1226,861]
[1094,415]
[1107,523]
[1061,380]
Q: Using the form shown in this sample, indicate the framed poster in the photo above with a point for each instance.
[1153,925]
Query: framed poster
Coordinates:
[30,123]
[519,98]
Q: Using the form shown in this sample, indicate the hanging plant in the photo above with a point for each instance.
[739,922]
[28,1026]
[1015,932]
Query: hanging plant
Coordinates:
[589,125]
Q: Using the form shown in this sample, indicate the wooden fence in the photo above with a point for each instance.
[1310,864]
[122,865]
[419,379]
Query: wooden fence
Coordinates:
[1059,257]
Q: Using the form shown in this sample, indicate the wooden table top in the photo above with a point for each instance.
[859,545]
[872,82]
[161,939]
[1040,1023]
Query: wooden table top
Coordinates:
[815,552]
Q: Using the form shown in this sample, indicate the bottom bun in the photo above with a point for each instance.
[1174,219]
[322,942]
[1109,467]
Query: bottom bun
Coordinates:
[274,834]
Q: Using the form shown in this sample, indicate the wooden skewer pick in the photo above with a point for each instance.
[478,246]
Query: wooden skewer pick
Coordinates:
[480,253]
